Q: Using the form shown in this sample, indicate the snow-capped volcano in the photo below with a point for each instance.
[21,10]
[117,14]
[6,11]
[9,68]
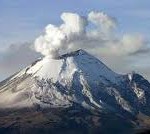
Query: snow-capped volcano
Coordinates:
[76,77]
[65,66]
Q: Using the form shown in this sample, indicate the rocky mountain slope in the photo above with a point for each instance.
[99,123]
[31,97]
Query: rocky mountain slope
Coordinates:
[74,80]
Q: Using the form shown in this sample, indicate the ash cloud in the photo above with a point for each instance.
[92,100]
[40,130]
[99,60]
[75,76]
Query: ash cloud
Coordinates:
[75,33]
[59,38]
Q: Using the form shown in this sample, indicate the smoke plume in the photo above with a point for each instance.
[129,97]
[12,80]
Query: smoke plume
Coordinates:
[94,32]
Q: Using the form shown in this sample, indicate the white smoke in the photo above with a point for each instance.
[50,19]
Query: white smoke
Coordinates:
[103,21]
[57,39]
[95,33]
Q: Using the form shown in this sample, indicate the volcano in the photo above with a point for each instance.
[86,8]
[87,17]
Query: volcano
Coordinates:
[73,93]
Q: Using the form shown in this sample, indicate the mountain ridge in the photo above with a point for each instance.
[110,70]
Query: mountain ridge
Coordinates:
[83,73]
[77,81]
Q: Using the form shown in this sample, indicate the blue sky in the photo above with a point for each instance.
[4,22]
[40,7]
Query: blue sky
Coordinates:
[23,20]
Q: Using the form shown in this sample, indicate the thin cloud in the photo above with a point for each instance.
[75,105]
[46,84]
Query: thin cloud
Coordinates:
[16,57]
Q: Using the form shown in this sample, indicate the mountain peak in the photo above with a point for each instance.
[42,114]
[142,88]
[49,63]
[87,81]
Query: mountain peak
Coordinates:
[73,53]
[66,66]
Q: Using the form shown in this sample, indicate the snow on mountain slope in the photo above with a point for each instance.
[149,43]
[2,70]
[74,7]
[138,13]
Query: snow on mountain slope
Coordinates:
[66,65]
[76,77]
[65,68]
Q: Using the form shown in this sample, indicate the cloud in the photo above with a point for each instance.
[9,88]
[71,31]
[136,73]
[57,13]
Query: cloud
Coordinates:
[57,39]
[103,21]
[74,33]
[126,45]
[16,57]
[144,51]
